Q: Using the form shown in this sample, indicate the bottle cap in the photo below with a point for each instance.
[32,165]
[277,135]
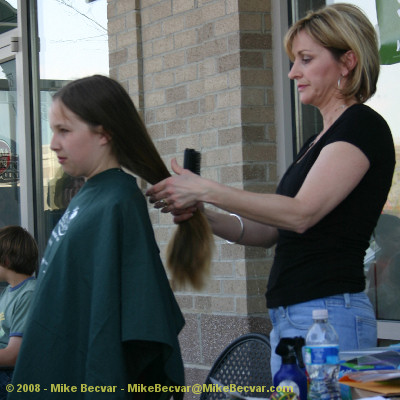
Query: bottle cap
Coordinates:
[320,314]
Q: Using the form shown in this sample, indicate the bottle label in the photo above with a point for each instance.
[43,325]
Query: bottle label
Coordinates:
[321,354]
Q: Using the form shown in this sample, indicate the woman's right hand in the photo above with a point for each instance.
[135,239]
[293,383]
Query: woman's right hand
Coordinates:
[185,214]
[180,191]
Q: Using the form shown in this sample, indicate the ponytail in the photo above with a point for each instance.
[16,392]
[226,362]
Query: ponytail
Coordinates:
[190,250]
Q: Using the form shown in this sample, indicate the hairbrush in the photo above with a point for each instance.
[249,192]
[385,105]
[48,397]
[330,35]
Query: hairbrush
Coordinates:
[192,160]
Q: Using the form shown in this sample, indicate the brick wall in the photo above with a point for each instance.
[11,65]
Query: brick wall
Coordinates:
[200,71]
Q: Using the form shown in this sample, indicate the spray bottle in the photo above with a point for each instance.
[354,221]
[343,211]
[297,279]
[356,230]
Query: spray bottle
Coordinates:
[290,374]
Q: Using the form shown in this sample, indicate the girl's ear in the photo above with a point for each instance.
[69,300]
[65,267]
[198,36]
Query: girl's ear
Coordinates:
[349,61]
[105,136]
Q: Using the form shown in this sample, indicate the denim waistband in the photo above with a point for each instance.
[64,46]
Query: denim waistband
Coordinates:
[346,300]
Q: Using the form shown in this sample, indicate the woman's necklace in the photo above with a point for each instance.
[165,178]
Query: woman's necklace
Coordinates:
[343,106]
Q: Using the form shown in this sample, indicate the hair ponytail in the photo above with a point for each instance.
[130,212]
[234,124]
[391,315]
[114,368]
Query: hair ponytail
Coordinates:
[99,100]
[190,250]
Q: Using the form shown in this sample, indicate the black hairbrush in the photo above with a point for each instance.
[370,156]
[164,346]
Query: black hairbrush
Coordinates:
[192,160]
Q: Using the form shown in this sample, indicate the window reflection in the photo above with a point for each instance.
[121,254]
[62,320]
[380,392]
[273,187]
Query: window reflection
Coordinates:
[73,44]
[383,268]
[60,191]
[8,15]
[9,170]
[73,38]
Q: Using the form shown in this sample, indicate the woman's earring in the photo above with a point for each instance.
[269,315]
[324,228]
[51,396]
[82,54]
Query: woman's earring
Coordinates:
[339,80]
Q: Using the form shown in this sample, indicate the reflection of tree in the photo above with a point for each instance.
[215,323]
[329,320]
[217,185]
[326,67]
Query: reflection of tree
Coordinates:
[70,5]
[62,188]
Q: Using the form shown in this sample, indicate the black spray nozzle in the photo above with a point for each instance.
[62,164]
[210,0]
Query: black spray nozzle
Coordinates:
[286,350]
[298,346]
[290,350]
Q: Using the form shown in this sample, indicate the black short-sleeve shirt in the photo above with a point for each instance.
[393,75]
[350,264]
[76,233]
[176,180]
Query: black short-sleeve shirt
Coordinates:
[327,259]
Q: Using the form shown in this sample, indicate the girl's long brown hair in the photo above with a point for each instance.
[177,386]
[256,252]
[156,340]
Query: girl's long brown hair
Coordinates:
[99,100]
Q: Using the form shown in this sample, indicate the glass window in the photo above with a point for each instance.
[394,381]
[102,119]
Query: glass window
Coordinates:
[382,267]
[73,44]
[308,121]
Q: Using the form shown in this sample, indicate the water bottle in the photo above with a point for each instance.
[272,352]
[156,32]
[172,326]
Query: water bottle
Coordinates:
[322,359]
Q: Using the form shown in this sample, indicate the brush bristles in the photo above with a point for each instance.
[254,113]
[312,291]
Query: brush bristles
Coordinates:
[192,160]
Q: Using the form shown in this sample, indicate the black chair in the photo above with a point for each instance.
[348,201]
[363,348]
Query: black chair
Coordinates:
[245,362]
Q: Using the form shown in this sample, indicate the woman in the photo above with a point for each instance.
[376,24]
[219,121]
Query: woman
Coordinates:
[329,200]
[104,316]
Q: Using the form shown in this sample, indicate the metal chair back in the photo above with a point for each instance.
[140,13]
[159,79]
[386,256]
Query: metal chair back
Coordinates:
[245,362]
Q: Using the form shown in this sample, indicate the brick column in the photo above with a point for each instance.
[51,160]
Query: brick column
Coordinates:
[201,73]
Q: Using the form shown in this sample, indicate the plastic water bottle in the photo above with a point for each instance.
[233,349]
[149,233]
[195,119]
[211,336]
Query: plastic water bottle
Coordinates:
[322,359]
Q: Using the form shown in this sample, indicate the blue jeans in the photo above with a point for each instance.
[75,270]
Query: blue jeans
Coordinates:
[351,314]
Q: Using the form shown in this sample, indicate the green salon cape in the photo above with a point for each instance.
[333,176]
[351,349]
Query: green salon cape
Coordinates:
[103,314]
